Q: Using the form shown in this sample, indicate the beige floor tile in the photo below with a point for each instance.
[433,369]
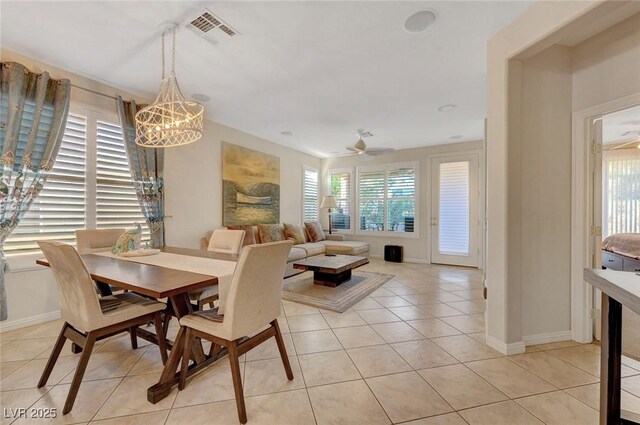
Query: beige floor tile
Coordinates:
[328,367]
[378,315]
[344,320]
[367,304]
[122,342]
[90,398]
[448,419]
[25,349]
[426,298]
[149,362]
[7,336]
[590,395]
[28,375]
[45,330]
[410,313]
[295,309]
[109,365]
[268,376]
[314,342]
[558,408]
[433,328]
[469,294]
[478,336]
[7,367]
[346,403]
[406,396]
[130,397]
[504,413]
[397,332]
[401,290]
[393,301]
[382,292]
[309,322]
[423,354]
[289,407]
[510,378]
[377,360]
[358,336]
[469,307]
[440,310]
[466,324]
[269,349]
[460,387]
[212,384]
[586,359]
[142,419]
[14,400]
[554,370]
[465,348]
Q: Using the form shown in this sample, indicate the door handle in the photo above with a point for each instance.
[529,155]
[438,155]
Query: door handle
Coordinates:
[434,221]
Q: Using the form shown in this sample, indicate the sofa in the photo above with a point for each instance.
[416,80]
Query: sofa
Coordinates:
[334,244]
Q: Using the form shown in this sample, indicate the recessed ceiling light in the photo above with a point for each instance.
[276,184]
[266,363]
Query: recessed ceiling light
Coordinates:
[457,136]
[446,108]
[420,21]
[286,133]
[200,97]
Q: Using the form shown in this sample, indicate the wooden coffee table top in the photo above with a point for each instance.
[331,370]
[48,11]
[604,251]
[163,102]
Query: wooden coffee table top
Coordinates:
[331,264]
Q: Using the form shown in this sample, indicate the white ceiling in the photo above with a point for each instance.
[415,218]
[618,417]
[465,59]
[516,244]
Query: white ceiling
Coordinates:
[621,126]
[318,69]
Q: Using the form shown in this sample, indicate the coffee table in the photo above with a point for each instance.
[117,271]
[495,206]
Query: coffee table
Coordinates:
[331,270]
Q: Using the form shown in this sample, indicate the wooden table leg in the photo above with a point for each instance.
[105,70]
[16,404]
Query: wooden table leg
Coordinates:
[610,361]
[182,307]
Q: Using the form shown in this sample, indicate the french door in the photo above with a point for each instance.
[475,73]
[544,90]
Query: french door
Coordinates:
[454,210]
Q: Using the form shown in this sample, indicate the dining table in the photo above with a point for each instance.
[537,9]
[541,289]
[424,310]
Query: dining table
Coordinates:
[170,275]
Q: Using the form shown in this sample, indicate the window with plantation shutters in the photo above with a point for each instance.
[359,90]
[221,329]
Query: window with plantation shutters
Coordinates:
[387,198]
[310,194]
[59,210]
[340,181]
[116,200]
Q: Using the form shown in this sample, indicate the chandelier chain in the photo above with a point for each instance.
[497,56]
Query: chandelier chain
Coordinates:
[163,56]
[173,59]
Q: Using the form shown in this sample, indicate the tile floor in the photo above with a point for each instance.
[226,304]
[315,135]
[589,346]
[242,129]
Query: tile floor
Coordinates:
[413,352]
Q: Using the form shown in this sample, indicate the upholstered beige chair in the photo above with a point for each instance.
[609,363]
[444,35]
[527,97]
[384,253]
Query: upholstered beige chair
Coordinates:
[87,317]
[96,240]
[227,243]
[253,302]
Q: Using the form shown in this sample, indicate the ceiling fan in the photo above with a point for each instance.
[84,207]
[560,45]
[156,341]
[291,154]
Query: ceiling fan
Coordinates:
[360,147]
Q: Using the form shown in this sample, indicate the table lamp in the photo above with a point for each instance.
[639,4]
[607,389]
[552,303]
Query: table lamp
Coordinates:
[329,202]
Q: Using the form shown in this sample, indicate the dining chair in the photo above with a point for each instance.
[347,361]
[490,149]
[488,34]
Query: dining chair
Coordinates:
[254,301]
[227,243]
[89,241]
[87,317]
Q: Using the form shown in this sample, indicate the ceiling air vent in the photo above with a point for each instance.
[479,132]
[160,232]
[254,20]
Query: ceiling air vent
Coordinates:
[210,27]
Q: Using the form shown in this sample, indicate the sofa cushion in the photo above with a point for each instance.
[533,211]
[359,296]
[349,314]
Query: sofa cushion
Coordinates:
[346,247]
[249,236]
[314,230]
[312,248]
[296,254]
[295,233]
[270,233]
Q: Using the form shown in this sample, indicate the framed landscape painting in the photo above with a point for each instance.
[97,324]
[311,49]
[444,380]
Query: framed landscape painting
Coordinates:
[250,186]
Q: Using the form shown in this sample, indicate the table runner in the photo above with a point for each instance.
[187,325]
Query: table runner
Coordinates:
[222,269]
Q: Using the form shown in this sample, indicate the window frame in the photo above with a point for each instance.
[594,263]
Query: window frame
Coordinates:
[20,262]
[351,200]
[386,168]
[305,169]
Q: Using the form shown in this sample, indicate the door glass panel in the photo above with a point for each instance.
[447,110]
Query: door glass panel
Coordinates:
[454,208]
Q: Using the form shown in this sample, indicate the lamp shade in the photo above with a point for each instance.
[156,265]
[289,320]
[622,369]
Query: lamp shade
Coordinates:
[328,202]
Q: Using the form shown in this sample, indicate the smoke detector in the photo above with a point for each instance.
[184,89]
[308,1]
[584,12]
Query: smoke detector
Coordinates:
[210,27]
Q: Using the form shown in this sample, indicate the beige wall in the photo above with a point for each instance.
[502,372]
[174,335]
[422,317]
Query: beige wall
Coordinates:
[193,194]
[534,85]
[193,176]
[414,249]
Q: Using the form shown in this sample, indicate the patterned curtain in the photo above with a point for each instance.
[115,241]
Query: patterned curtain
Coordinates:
[33,116]
[147,166]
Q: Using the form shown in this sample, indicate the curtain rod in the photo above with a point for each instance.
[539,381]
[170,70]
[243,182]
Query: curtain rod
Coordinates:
[94,92]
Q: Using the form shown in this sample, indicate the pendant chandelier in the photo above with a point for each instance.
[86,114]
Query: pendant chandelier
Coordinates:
[171,120]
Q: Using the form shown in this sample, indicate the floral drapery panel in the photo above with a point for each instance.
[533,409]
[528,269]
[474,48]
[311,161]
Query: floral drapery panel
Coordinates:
[33,116]
[147,166]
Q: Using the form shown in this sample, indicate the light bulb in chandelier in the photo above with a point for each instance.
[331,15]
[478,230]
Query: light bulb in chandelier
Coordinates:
[171,120]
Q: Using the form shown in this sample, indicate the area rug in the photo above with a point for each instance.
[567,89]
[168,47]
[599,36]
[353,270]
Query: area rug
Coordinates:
[300,289]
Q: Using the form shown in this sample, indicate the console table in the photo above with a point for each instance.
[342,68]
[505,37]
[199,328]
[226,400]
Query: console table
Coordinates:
[618,289]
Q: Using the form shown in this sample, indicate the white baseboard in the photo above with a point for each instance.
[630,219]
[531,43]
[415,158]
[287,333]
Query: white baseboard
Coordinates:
[405,260]
[547,338]
[10,325]
[504,348]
